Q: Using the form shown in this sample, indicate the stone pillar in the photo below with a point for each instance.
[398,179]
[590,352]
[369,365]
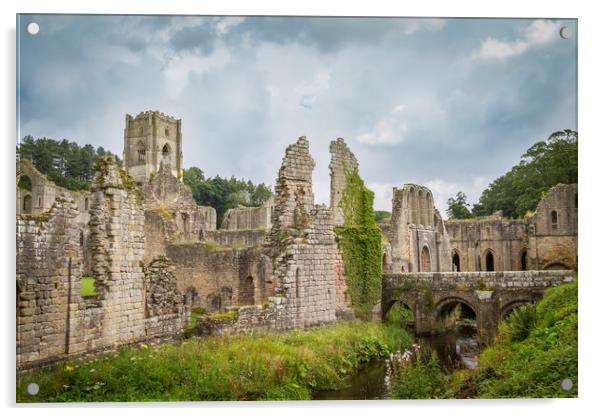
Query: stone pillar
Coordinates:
[117,244]
[342,163]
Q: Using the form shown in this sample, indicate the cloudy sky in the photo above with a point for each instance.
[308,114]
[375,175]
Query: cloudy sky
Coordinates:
[448,103]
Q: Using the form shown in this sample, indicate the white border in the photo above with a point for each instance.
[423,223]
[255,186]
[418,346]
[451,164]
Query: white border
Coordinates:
[590,95]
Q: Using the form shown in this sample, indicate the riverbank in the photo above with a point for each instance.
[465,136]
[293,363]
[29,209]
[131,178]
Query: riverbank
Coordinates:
[536,350]
[274,366]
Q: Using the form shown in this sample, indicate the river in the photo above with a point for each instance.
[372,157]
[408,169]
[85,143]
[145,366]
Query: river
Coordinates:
[455,349]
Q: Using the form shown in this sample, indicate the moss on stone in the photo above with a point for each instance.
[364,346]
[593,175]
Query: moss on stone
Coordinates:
[360,246]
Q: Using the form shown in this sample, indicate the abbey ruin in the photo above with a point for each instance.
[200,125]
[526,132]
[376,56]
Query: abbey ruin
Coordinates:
[155,254]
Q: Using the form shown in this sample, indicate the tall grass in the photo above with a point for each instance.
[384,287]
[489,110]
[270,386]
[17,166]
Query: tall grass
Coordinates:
[274,366]
[535,350]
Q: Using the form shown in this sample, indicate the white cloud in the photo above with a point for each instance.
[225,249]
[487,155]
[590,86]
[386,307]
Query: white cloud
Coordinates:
[538,33]
[390,129]
[177,71]
[310,91]
[383,195]
[227,23]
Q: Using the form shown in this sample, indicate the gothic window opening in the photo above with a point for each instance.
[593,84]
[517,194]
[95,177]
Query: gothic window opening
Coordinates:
[27,204]
[523,260]
[456,262]
[425,260]
[554,220]
[489,262]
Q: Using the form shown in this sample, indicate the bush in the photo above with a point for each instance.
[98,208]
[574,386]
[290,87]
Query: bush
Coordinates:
[520,322]
[416,374]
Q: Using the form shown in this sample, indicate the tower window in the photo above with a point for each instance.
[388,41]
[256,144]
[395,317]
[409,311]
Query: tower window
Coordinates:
[141,155]
[166,132]
[554,220]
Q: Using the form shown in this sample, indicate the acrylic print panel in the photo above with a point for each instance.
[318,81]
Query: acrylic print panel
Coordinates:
[261,208]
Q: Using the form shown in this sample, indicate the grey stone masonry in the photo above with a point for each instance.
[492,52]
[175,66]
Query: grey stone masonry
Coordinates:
[49,269]
[342,163]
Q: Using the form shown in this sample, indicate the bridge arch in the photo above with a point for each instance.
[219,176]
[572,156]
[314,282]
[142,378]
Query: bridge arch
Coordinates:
[398,302]
[445,308]
[513,304]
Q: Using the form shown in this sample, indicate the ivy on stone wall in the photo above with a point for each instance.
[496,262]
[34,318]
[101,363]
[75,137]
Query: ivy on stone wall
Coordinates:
[360,246]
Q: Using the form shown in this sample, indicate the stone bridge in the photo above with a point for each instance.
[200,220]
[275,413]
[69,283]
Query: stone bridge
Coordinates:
[433,297]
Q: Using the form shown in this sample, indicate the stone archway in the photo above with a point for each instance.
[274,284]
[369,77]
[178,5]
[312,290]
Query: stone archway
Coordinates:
[510,306]
[27,204]
[449,310]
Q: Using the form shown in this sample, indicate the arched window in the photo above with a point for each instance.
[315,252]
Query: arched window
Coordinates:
[489,261]
[86,204]
[27,204]
[554,220]
[166,131]
[456,262]
[523,260]
[425,260]
[141,131]
[141,152]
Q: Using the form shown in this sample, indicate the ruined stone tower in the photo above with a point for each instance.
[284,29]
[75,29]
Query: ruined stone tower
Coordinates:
[152,138]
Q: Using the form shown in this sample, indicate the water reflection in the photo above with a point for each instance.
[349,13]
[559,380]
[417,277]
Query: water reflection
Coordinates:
[455,349]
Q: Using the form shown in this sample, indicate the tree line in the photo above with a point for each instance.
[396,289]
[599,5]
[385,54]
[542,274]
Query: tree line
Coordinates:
[517,192]
[222,193]
[65,163]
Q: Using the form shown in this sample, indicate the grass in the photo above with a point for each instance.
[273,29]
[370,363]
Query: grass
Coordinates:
[87,288]
[535,350]
[274,366]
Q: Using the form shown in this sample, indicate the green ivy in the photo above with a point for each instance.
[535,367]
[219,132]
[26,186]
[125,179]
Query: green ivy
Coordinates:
[360,246]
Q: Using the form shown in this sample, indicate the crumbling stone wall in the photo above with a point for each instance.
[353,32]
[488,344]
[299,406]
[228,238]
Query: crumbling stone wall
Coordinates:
[222,277]
[342,163]
[302,245]
[164,194]
[49,269]
[249,218]
[237,238]
[165,309]
[533,243]
[417,234]
[53,320]
[117,246]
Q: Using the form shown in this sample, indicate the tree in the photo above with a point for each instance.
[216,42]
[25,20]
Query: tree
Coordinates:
[458,208]
[381,215]
[223,194]
[63,162]
[544,165]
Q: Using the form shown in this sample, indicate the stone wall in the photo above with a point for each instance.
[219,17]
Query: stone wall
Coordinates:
[165,312]
[53,320]
[249,218]
[221,277]
[49,269]
[417,233]
[342,163]
[302,245]
[237,238]
[547,239]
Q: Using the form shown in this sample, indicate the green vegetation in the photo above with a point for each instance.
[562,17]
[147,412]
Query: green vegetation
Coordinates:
[517,193]
[360,246]
[223,194]
[195,314]
[275,366]
[25,183]
[87,288]
[381,216]
[399,313]
[65,163]
[535,350]
[417,374]
[458,208]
